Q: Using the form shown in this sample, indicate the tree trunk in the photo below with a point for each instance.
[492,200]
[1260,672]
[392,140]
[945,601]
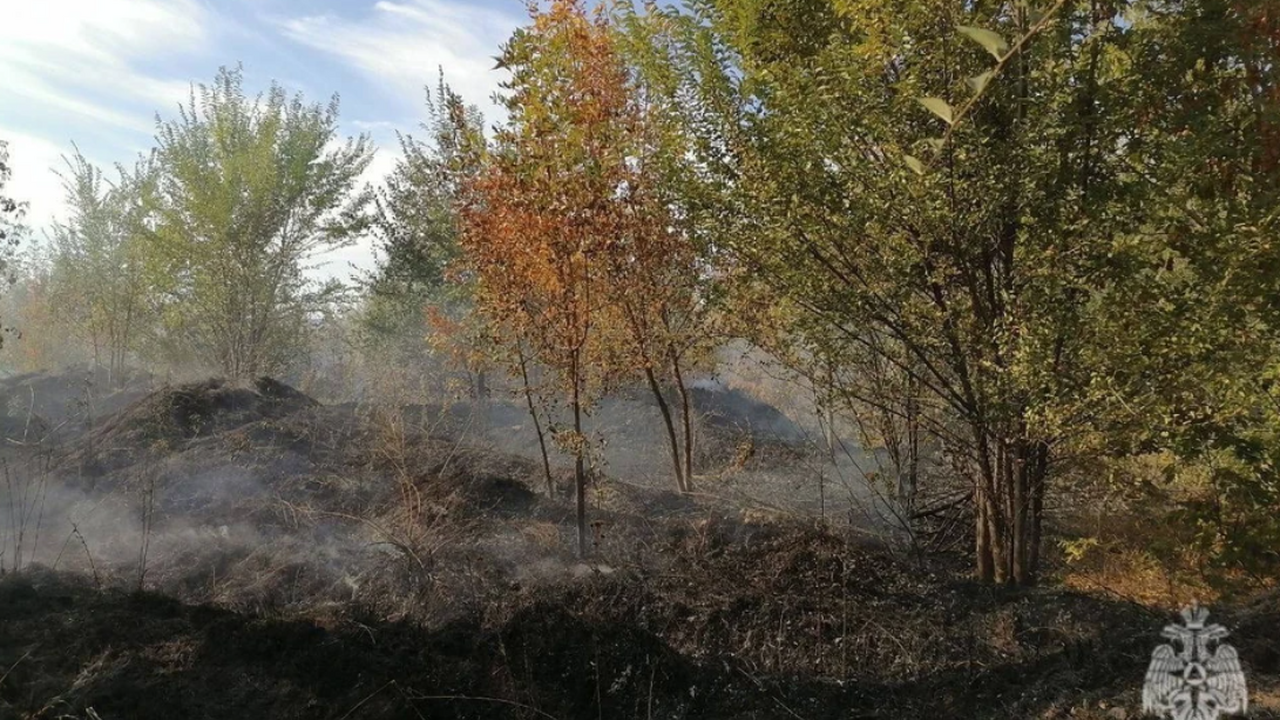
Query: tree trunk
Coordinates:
[686,419]
[670,425]
[997,529]
[909,486]
[989,508]
[579,465]
[1009,509]
[1032,481]
[1037,509]
[537,424]
[985,560]
[826,414]
[1017,472]
[995,510]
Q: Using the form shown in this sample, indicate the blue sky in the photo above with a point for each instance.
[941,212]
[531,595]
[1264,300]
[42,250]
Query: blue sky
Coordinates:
[96,72]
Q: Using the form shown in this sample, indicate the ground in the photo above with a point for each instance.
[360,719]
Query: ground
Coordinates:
[214,550]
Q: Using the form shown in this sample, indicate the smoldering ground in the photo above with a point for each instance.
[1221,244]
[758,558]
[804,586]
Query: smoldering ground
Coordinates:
[363,546]
[258,497]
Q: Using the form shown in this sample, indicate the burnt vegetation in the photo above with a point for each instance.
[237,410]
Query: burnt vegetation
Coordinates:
[222,549]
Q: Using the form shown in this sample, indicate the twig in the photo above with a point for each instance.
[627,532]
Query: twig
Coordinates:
[649,713]
[943,507]
[367,699]
[1000,65]
[501,701]
[16,664]
[409,700]
[76,531]
[378,529]
[760,685]
[30,411]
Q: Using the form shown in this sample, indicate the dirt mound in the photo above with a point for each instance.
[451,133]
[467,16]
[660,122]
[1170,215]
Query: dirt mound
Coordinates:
[354,562]
[474,481]
[167,418]
[258,498]
[145,656]
[1256,632]
[871,632]
[585,667]
[186,411]
[732,409]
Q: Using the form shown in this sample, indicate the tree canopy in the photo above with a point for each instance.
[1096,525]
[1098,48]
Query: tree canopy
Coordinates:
[1005,206]
[248,189]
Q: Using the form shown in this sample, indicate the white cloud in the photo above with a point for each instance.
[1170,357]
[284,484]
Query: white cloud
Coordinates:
[76,68]
[59,53]
[403,46]
[338,264]
[384,161]
[103,30]
[48,96]
[34,162]
[376,126]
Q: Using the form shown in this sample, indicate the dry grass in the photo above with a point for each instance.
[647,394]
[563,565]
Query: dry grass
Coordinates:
[1135,574]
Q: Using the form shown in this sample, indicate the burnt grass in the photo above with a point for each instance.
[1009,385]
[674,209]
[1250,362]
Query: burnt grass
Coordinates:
[474,608]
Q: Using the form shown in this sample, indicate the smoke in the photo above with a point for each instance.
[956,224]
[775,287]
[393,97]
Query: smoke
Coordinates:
[396,508]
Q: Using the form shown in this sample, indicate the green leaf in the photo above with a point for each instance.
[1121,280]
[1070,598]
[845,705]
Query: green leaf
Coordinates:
[938,107]
[978,83]
[914,163]
[993,43]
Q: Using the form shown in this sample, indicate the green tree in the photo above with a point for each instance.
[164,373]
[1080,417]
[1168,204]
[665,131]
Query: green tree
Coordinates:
[658,282]
[11,214]
[98,284]
[247,190]
[1200,364]
[998,233]
[415,226]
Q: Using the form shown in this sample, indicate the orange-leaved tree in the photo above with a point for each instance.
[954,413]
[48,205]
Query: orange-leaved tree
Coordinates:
[538,221]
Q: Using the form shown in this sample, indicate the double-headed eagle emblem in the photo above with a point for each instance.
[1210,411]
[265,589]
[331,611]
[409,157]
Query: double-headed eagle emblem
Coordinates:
[1199,682]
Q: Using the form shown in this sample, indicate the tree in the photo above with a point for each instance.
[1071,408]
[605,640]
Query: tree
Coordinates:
[415,227]
[657,271]
[247,190]
[419,305]
[11,213]
[1202,367]
[97,280]
[39,333]
[539,220]
[981,228]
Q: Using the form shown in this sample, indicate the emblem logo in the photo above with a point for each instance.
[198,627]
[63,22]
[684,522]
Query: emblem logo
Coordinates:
[1202,681]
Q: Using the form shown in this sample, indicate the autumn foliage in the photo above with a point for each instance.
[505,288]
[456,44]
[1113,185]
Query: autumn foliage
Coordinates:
[538,221]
